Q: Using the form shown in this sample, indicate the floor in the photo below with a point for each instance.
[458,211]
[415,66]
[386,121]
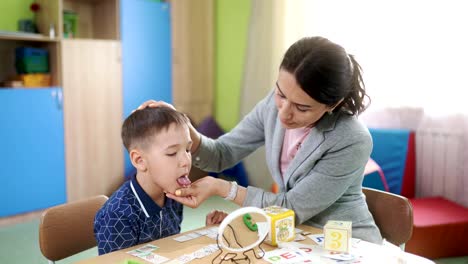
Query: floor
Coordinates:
[19,242]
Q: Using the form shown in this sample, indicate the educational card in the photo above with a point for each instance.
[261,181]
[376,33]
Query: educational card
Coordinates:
[141,250]
[148,256]
[147,247]
[317,238]
[201,253]
[210,232]
[187,237]
[287,256]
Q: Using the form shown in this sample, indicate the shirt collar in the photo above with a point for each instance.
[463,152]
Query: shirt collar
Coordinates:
[147,204]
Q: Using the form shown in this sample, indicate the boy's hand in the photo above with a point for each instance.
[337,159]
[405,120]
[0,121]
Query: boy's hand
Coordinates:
[215,217]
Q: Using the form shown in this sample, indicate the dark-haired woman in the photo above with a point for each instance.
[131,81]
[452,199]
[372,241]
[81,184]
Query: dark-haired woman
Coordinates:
[316,149]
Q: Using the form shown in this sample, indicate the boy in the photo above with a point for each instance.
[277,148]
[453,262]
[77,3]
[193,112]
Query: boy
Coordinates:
[158,142]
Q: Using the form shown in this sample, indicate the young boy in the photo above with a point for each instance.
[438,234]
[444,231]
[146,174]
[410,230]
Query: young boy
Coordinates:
[158,142]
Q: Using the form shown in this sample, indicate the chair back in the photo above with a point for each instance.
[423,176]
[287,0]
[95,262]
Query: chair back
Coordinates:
[67,229]
[392,213]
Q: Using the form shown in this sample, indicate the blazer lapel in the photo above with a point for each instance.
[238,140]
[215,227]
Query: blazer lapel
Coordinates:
[278,138]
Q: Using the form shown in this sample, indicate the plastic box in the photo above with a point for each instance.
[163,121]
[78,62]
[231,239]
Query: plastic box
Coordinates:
[31,60]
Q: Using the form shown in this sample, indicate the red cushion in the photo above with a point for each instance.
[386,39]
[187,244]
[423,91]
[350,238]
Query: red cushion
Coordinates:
[440,228]
[437,211]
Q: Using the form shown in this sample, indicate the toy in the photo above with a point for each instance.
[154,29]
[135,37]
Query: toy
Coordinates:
[281,225]
[337,236]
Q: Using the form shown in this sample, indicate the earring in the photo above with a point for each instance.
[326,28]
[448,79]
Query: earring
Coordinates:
[330,112]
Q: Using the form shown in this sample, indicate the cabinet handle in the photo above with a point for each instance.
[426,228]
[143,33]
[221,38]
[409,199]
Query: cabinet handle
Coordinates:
[57,96]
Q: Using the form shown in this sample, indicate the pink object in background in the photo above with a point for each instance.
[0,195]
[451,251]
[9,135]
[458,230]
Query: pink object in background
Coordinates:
[371,167]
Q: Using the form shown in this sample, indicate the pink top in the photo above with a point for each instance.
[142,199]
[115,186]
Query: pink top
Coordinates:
[293,139]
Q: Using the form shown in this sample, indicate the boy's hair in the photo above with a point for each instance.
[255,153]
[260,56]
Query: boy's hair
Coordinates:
[143,124]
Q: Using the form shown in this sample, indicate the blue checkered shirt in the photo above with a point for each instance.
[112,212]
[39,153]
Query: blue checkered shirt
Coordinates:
[130,217]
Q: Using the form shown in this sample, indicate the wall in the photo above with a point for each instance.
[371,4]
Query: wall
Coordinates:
[231,22]
[12,11]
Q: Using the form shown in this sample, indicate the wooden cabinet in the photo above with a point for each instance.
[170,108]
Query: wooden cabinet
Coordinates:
[124,52]
[193,57]
[146,55]
[92,89]
[54,155]
[32,156]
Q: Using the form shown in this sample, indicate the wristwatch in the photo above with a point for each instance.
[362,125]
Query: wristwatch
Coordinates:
[232,192]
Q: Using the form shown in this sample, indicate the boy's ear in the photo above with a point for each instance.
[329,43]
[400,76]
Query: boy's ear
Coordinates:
[138,160]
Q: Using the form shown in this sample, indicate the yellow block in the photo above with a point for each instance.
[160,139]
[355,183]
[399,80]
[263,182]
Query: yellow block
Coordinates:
[35,79]
[337,236]
[282,227]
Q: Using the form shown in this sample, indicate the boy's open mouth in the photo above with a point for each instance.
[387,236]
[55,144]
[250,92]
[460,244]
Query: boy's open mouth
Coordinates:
[184,181]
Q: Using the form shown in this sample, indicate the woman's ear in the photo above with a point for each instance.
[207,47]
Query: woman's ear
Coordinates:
[138,160]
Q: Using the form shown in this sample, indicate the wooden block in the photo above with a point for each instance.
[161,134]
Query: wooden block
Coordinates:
[338,236]
[282,225]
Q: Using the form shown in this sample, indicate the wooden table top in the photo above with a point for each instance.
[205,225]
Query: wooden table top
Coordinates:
[172,249]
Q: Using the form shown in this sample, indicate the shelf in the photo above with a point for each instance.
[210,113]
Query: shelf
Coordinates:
[96,19]
[20,36]
[2,88]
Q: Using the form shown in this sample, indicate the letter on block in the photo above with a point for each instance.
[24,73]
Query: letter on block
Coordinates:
[282,225]
[337,236]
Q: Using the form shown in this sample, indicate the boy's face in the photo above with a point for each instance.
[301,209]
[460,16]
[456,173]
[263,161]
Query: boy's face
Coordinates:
[169,159]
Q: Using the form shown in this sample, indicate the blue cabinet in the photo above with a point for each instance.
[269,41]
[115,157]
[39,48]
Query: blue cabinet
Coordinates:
[146,55]
[32,165]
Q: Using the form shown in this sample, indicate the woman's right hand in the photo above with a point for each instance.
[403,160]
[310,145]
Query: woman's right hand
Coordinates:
[193,132]
[153,103]
[199,191]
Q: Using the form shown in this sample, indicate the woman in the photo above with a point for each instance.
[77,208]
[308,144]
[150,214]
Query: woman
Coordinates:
[316,149]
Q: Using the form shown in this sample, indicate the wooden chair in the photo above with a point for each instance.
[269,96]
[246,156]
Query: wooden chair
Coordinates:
[67,229]
[392,213]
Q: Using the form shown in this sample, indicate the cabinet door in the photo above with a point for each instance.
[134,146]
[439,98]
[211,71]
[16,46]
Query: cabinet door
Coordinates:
[32,156]
[146,55]
[92,87]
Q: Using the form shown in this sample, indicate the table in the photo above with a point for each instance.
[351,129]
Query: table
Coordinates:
[170,248]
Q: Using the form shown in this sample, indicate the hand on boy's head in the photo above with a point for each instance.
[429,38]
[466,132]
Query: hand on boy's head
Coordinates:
[153,103]
[215,217]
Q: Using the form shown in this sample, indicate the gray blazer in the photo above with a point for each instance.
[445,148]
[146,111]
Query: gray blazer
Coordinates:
[323,182]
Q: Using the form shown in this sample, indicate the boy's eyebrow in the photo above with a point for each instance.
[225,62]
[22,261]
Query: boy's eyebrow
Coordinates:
[301,105]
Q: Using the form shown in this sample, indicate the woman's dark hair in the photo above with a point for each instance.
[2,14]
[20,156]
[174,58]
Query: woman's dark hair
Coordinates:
[142,125]
[327,73]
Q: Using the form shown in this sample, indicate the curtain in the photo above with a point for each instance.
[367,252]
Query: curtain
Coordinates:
[414,56]
[266,44]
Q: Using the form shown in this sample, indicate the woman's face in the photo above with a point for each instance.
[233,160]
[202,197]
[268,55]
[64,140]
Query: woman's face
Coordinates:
[295,107]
